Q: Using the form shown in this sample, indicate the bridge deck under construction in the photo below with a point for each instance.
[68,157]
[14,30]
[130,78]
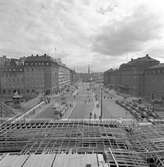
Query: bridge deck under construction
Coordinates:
[121,143]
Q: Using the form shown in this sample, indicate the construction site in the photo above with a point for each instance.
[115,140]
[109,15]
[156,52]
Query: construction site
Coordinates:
[88,143]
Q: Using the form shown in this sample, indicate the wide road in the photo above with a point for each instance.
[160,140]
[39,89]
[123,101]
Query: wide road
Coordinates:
[113,110]
[110,109]
[84,102]
[48,113]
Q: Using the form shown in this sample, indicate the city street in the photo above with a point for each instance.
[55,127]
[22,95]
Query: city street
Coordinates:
[84,105]
[48,113]
[111,110]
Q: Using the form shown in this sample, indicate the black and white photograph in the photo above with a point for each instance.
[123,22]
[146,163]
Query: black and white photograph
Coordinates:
[81,83]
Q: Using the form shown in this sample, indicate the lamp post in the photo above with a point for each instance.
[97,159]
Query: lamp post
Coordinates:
[101,105]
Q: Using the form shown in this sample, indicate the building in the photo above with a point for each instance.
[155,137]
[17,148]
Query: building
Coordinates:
[154,82]
[132,75]
[64,77]
[12,78]
[33,75]
[74,77]
[129,78]
[4,61]
[97,77]
[40,75]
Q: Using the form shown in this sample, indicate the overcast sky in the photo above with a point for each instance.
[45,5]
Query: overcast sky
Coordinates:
[102,33]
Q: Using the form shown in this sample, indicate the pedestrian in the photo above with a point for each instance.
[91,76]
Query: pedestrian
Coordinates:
[90,115]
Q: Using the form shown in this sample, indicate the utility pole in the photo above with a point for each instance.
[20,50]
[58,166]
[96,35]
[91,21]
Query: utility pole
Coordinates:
[101,104]
[1,112]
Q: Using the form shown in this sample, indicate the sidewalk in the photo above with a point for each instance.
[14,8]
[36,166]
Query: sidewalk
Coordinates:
[68,113]
[96,110]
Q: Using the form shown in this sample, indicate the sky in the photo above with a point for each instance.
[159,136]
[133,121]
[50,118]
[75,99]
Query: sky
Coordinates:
[99,33]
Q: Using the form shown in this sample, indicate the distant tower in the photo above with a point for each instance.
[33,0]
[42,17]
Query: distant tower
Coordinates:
[88,69]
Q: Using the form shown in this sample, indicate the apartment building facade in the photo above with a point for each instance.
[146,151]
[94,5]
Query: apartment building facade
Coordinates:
[130,77]
[34,75]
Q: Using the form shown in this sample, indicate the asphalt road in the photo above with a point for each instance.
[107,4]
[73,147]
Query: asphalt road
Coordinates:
[48,113]
[113,110]
[110,109]
[84,104]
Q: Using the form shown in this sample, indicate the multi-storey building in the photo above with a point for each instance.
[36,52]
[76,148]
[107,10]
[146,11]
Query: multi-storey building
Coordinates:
[154,82]
[74,77]
[129,78]
[97,77]
[4,61]
[40,75]
[107,77]
[12,78]
[34,75]
[132,75]
[112,78]
[64,76]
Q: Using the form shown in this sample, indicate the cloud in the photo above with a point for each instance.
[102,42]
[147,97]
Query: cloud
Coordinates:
[82,31]
[127,35]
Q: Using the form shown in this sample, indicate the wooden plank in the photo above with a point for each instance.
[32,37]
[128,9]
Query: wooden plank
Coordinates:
[13,160]
[40,160]
[78,160]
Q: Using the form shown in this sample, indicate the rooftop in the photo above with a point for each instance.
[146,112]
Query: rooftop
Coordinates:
[139,61]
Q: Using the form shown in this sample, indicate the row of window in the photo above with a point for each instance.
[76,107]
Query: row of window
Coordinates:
[38,63]
[14,70]
[20,91]
[158,71]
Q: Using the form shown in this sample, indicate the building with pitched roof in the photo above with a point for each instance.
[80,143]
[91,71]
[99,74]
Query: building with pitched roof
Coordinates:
[129,78]
[33,75]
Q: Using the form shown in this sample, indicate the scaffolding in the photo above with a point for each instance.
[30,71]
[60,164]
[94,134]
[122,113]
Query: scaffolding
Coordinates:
[107,137]
[122,143]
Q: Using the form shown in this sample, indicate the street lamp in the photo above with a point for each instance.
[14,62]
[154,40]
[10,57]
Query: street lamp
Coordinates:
[1,112]
[101,104]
